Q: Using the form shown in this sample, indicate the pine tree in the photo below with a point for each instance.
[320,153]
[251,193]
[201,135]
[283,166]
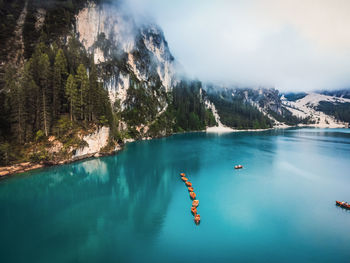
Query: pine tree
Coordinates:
[44,78]
[93,92]
[74,54]
[72,95]
[83,86]
[16,102]
[40,71]
[32,93]
[59,76]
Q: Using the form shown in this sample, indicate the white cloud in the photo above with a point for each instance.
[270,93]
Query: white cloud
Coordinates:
[289,44]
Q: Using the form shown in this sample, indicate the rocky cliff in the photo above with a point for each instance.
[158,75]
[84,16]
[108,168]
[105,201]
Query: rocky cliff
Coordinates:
[125,51]
[81,52]
[89,75]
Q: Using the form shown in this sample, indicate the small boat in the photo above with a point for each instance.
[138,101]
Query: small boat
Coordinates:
[343,204]
[192,195]
[195,203]
[190,189]
[189,184]
[197,219]
[238,166]
[184,179]
[194,210]
[182,174]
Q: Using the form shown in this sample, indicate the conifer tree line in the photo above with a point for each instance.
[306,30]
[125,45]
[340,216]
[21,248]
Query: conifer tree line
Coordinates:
[234,112]
[190,111]
[56,84]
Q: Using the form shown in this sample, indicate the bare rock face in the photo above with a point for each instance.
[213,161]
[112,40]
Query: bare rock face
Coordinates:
[125,51]
[95,142]
[56,147]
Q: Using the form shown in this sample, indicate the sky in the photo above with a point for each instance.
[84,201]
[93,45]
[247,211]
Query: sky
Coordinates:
[292,45]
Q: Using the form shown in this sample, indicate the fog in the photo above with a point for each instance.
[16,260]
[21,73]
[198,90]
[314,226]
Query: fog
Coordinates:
[292,45]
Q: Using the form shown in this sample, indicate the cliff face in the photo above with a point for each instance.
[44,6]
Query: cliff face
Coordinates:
[71,53]
[95,142]
[125,51]
[134,63]
[103,47]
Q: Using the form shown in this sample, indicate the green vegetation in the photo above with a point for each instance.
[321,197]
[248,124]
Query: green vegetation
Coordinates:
[341,111]
[239,114]
[142,105]
[185,110]
[54,83]
[58,94]
[294,96]
[288,118]
[189,107]
[9,13]
[341,93]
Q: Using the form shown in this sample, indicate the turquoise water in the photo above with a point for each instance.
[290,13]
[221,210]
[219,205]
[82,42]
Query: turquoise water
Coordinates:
[133,207]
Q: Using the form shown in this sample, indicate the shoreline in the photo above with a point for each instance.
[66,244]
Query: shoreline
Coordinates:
[19,168]
[224,129]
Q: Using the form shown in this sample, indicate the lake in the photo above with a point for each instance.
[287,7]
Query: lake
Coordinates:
[133,206]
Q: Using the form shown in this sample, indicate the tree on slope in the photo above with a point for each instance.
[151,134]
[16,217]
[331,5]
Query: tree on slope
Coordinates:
[72,95]
[59,77]
[44,69]
[15,102]
[83,88]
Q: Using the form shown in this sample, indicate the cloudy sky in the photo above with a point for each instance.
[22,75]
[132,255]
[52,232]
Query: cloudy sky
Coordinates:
[292,45]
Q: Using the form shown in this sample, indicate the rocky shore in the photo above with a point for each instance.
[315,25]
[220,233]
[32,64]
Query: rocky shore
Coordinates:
[19,168]
[28,166]
[88,153]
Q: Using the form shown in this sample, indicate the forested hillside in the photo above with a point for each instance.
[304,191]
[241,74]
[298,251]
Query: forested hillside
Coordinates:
[70,67]
[57,90]
[54,92]
[291,96]
[341,93]
[340,111]
[236,113]
[251,108]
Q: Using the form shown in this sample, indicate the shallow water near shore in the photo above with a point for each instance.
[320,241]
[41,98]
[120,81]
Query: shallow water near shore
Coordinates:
[133,206]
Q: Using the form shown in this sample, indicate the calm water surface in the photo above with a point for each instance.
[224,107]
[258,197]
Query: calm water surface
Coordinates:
[133,207]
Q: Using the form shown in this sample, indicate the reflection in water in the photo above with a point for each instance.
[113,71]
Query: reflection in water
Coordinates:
[106,204]
[133,206]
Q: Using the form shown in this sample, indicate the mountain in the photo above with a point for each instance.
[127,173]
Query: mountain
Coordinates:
[341,93]
[80,78]
[251,108]
[321,110]
[281,109]
[88,65]
[240,108]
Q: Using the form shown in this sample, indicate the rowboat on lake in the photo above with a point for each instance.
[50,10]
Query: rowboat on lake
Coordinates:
[343,204]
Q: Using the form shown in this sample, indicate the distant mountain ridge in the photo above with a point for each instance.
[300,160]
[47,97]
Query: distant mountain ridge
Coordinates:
[312,109]
[341,93]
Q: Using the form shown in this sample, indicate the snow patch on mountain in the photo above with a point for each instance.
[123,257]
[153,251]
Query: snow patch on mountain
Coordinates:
[306,108]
